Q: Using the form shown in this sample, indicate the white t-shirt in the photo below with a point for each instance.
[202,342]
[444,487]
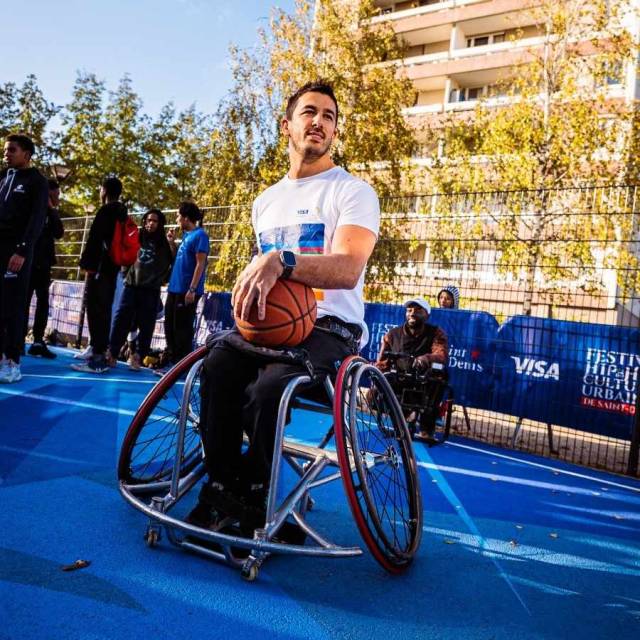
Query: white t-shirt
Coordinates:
[303,215]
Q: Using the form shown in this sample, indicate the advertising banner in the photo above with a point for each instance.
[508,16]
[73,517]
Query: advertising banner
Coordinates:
[574,374]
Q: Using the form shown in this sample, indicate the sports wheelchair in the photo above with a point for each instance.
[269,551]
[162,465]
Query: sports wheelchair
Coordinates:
[420,391]
[368,446]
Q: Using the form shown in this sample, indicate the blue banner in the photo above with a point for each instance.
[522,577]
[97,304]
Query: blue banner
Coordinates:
[574,374]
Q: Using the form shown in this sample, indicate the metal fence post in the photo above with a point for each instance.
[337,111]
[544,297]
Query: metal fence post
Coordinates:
[634,449]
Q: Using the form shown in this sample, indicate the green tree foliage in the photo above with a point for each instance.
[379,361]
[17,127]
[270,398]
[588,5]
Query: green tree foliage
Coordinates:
[24,109]
[109,134]
[247,152]
[557,127]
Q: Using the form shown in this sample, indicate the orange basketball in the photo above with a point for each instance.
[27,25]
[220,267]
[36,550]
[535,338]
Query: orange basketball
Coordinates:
[289,317]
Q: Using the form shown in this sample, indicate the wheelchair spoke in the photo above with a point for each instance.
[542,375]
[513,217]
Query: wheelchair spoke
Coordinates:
[382,487]
[150,446]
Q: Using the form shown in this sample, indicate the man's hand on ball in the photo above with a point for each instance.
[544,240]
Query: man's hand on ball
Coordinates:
[253,285]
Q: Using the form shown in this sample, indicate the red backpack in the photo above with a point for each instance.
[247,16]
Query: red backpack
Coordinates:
[125,243]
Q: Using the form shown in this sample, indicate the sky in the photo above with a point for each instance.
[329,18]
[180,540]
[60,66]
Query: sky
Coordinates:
[174,50]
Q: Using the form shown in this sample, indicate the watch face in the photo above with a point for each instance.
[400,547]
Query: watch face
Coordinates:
[288,258]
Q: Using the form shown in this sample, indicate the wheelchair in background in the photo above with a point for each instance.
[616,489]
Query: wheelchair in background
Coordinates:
[368,447]
[422,394]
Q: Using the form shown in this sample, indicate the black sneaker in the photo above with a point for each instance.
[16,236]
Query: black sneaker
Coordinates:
[41,350]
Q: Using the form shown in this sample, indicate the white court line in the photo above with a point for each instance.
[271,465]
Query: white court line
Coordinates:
[539,465]
[75,403]
[47,456]
[95,377]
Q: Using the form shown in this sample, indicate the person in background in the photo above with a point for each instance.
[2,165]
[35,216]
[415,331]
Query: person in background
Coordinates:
[23,206]
[186,284]
[101,274]
[449,297]
[44,257]
[141,294]
[427,344]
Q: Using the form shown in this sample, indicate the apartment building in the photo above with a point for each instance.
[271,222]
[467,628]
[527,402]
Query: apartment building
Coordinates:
[459,51]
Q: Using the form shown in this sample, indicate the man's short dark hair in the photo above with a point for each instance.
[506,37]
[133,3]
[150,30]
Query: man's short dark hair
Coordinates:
[24,142]
[53,184]
[190,210]
[317,86]
[112,187]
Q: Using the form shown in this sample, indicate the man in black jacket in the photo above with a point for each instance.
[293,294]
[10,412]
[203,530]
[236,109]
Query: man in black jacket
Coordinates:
[426,344]
[101,274]
[44,257]
[23,205]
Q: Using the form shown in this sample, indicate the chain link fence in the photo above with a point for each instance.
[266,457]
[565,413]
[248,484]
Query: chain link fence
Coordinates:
[568,257]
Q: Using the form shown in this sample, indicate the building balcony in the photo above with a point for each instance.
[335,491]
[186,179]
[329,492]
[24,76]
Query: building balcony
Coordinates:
[434,21]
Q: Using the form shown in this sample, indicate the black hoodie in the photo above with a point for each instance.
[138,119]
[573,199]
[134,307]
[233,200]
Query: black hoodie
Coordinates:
[24,194]
[95,256]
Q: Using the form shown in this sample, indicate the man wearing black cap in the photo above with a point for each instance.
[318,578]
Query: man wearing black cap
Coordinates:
[23,206]
[427,344]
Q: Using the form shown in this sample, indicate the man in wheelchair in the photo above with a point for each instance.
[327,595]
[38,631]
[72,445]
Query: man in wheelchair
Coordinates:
[318,225]
[413,357]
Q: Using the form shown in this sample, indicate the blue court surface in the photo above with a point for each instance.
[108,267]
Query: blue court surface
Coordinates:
[513,546]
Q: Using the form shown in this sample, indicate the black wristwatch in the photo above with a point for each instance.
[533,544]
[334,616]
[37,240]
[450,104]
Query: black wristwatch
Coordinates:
[288,262]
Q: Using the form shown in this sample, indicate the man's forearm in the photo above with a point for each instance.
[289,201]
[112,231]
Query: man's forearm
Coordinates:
[335,271]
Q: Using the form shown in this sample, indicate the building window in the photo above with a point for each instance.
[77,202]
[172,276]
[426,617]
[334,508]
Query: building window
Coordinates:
[488,38]
[466,93]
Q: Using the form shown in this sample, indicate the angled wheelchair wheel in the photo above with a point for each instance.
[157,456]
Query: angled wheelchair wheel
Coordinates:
[377,464]
[149,448]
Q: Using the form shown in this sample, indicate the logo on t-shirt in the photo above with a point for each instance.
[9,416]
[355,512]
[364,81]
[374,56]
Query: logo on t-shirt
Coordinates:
[303,212]
[303,239]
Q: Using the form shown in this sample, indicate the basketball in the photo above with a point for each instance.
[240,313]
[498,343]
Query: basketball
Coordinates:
[289,316]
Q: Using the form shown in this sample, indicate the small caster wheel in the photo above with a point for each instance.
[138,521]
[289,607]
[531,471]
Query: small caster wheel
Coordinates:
[151,537]
[249,572]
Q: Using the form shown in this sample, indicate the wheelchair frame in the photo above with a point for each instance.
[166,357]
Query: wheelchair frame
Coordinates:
[372,445]
[417,385]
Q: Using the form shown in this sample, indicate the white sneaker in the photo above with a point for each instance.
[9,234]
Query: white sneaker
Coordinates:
[84,355]
[10,372]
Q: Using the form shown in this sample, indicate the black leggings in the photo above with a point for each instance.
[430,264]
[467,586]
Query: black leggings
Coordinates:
[179,319]
[13,302]
[241,394]
[39,284]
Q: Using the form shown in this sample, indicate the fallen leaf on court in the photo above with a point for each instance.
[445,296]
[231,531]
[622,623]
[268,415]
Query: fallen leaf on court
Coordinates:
[513,543]
[449,541]
[78,564]
[519,526]
[553,535]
